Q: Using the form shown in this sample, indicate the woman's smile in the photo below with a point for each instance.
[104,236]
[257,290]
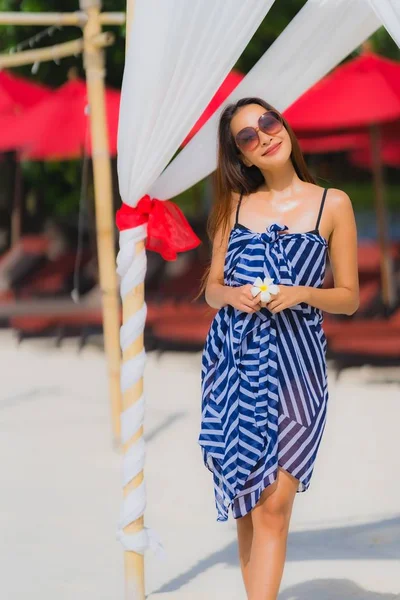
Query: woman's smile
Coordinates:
[272,149]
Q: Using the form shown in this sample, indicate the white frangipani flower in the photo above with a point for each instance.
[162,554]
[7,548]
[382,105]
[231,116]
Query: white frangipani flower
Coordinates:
[266,288]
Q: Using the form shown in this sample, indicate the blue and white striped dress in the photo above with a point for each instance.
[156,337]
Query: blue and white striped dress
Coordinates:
[263,379]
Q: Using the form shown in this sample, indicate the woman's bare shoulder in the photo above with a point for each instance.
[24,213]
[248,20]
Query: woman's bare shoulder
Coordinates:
[312,189]
[335,198]
[338,199]
[341,209]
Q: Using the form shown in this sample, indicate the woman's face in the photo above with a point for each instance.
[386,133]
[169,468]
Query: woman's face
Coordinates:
[273,150]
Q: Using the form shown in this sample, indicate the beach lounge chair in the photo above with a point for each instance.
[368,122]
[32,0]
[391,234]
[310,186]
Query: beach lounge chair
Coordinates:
[58,317]
[366,342]
[53,278]
[183,328]
[25,257]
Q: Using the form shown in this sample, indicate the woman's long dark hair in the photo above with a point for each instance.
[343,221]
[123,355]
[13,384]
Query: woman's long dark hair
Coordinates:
[233,176]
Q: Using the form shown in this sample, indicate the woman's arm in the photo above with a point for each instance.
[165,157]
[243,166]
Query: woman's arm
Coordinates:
[216,291]
[344,297]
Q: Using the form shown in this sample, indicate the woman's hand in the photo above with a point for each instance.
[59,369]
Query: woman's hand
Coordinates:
[288,296]
[241,298]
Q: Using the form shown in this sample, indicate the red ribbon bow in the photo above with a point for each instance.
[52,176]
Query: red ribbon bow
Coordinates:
[168,231]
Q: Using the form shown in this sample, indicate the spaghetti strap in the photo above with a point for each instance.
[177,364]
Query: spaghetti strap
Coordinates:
[237,209]
[321,209]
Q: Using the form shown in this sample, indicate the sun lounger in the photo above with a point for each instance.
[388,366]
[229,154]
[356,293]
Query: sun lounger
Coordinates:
[374,349]
[59,317]
[366,341]
[54,278]
[183,327]
[17,263]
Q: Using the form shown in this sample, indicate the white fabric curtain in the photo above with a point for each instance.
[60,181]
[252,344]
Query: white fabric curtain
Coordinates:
[388,12]
[179,52]
[322,34]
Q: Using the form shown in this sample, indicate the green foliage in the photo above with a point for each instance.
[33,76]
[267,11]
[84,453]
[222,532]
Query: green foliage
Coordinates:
[59,182]
[280,15]
[56,184]
[49,72]
[362,194]
[382,43]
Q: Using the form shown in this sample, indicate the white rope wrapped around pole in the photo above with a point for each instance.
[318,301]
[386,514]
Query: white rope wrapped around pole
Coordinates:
[134,537]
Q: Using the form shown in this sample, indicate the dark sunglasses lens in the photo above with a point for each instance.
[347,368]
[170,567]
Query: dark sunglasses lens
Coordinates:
[247,139]
[270,122]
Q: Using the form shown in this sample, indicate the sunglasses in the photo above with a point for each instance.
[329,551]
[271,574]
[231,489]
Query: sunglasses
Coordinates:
[270,122]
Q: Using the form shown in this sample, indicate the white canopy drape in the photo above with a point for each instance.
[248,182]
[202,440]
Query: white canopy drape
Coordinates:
[179,53]
[388,11]
[319,37]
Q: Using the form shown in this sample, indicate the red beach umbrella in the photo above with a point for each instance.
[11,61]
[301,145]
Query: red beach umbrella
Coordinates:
[364,92]
[389,148]
[358,143]
[335,142]
[227,86]
[7,106]
[390,155]
[57,127]
[18,93]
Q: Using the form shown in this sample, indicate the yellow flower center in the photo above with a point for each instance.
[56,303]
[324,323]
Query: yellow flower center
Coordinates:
[263,288]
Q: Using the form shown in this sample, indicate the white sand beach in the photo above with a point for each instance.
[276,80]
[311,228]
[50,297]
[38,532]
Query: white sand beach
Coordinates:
[61,486]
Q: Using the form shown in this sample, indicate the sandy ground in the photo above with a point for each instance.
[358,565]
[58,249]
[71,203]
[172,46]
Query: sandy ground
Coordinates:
[61,486]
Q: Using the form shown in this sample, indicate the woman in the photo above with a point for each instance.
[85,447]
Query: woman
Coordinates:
[264,382]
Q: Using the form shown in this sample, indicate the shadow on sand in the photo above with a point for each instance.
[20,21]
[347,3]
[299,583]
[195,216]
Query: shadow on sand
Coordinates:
[167,422]
[27,396]
[332,589]
[372,541]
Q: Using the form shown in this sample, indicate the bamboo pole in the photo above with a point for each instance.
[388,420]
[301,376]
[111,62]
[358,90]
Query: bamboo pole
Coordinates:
[56,52]
[78,18]
[129,17]
[388,291]
[42,18]
[95,72]
[112,18]
[133,301]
